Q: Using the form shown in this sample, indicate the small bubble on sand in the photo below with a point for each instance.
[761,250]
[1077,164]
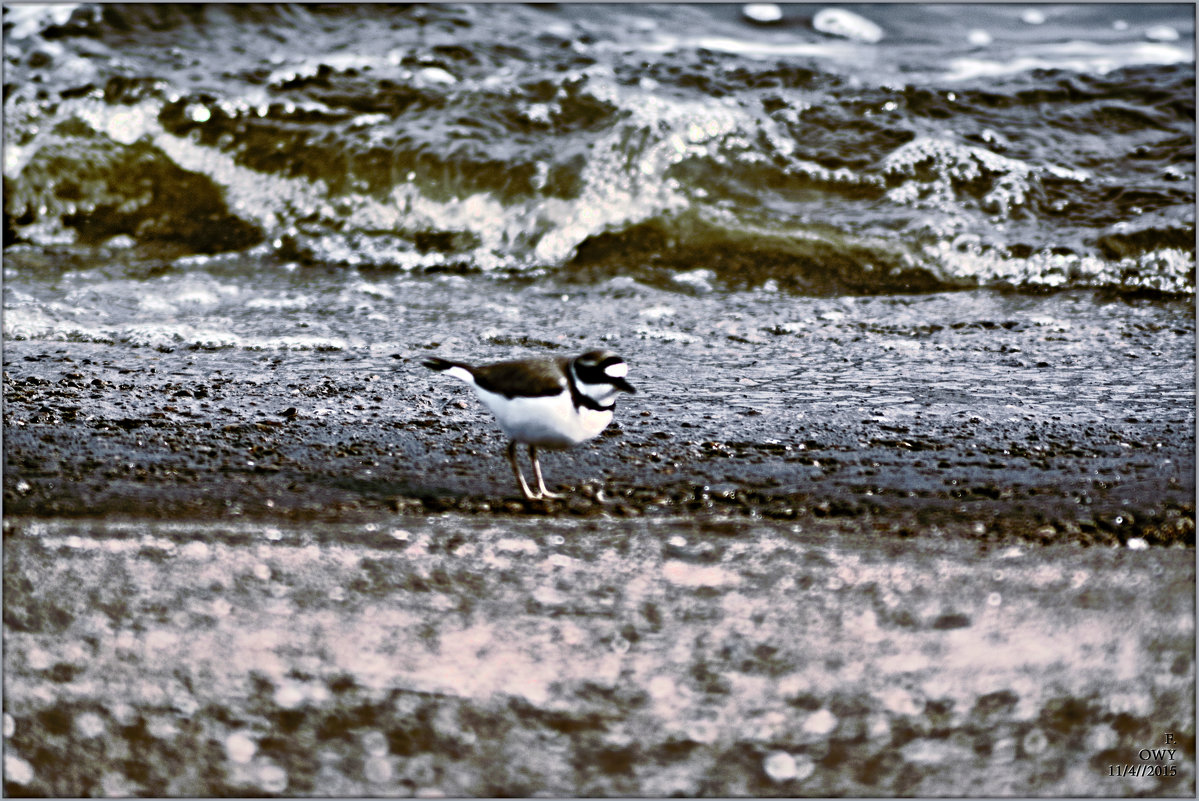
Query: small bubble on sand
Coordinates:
[378,770]
[1003,751]
[420,770]
[195,550]
[899,702]
[879,727]
[240,748]
[262,571]
[1137,544]
[271,777]
[124,714]
[780,767]
[1101,738]
[374,743]
[289,696]
[820,722]
[17,770]
[515,545]
[704,732]
[994,599]
[162,728]
[1035,742]
[688,575]
[89,725]
[37,659]
[661,687]
[1033,17]
[114,785]
[1135,704]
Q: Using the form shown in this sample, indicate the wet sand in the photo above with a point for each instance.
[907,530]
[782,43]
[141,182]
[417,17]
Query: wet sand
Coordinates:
[479,657]
[1052,419]
[835,550]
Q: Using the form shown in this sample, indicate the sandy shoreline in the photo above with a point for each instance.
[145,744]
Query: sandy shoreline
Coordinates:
[92,429]
[946,554]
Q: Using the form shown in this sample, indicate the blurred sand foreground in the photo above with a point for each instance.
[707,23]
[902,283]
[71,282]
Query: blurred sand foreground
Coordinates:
[448,655]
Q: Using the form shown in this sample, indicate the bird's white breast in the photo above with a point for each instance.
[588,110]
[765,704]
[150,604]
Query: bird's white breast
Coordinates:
[551,421]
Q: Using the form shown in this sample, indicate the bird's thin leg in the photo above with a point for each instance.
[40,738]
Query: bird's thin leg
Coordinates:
[516,469]
[545,493]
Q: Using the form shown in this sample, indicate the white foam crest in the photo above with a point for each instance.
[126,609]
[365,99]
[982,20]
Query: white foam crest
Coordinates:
[297,303]
[1168,271]
[617,193]
[36,324]
[173,335]
[953,162]
[263,197]
[1075,56]
[753,48]
[614,192]
[30,19]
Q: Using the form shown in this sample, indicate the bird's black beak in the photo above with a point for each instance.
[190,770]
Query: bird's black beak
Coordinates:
[623,386]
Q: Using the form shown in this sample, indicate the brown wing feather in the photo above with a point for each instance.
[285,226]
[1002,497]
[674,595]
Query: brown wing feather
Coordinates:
[535,377]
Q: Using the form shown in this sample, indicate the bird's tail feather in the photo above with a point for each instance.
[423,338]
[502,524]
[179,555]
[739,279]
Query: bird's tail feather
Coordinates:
[462,372]
[440,365]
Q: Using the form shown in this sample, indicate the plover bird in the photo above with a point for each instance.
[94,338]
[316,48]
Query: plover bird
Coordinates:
[545,403]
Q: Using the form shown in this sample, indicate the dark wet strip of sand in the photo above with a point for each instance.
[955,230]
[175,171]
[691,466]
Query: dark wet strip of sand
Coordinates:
[1055,419]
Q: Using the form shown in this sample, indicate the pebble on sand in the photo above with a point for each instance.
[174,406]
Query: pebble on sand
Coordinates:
[271,778]
[436,75]
[289,696]
[763,13]
[374,742]
[847,25]
[378,770]
[1161,33]
[780,767]
[820,722]
[240,748]
[89,725]
[978,38]
[17,770]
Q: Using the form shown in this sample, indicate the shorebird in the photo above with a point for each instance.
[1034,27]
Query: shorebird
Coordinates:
[545,403]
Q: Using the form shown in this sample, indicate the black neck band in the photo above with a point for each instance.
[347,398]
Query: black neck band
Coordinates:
[581,400]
